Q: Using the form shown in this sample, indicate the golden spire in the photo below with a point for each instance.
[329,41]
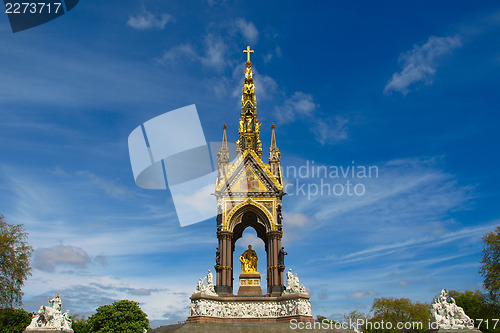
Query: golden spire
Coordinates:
[249,124]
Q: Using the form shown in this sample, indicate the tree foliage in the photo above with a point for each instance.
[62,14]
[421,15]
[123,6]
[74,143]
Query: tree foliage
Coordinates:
[14,320]
[480,308]
[15,267]
[398,310]
[120,317]
[80,324]
[490,262]
[320,318]
[354,317]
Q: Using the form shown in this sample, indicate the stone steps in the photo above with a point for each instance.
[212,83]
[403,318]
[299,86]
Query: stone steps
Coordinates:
[241,328]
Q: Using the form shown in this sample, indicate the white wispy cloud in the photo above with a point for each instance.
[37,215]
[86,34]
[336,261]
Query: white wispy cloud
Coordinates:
[200,200]
[265,86]
[101,259]
[214,55]
[420,64]
[326,130]
[298,105]
[297,219]
[183,51]
[397,189]
[47,258]
[51,210]
[250,239]
[149,21]
[421,242]
[84,78]
[269,56]
[331,130]
[33,203]
[247,30]
[294,225]
[111,188]
[409,204]
[362,294]
[215,51]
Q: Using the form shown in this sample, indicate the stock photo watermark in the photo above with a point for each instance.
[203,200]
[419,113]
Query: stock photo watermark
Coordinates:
[311,180]
[358,325]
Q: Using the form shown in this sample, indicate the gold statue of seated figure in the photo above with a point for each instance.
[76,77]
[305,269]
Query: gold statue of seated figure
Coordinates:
[249,261]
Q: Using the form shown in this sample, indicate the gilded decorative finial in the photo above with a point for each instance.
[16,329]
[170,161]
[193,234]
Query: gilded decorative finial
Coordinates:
[249,126]
[248,51]
[272,126]
[225,126]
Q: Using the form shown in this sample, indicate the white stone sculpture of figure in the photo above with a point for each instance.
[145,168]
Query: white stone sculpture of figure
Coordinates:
[437,313]
[209,289]
[293,285]
[56,303]
[51,317]
[448,315]
[210,278]
[67,322]
[34,321]
[289,275]
[290,281]
[200,287]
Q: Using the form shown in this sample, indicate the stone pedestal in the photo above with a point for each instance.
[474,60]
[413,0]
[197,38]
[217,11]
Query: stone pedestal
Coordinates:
[250,285]
[309,327]
[244,309]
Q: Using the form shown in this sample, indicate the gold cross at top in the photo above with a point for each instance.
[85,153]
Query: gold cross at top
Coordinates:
[248,51]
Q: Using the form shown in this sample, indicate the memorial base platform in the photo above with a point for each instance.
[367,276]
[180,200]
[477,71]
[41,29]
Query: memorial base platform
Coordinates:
[245,328]
[249,309]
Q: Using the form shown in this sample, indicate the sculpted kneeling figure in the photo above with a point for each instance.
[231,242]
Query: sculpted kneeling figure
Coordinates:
[249,261]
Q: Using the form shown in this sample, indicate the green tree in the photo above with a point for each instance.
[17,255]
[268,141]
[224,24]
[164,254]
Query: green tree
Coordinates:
[14,320]
[490,263]
[398,310]
[120,317]
[354,317]
[480,308]
[320,318]
[15,267]
[80,324]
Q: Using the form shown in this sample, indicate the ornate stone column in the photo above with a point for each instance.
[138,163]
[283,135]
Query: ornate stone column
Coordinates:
[275,286]
[224,270]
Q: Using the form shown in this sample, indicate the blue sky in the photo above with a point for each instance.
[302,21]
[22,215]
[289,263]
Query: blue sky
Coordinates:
[409,87]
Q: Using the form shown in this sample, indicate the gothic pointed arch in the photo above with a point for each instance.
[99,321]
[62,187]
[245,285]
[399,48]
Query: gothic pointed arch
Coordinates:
[263,221]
